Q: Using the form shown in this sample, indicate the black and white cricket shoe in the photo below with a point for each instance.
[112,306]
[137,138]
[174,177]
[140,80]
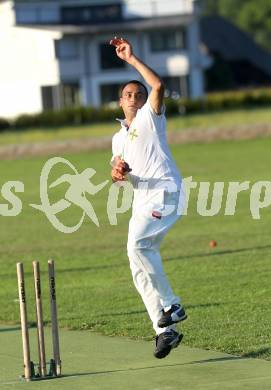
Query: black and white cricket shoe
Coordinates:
[172,316]
[165,342]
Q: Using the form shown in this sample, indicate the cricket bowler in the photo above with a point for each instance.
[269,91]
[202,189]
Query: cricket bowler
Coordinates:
[142,156]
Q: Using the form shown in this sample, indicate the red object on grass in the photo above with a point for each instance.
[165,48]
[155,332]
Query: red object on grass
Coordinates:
[212,243]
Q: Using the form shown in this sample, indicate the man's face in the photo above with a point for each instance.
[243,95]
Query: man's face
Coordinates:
[133,97]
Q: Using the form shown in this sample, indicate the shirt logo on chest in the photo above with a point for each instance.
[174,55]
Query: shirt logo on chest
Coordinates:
[133,135]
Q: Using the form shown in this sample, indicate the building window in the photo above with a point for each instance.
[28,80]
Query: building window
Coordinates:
[91,14]
[108,58]
[28,15]
[47,95]
[109,93]
[70,94]
[176,87]
[65,95]
[167,40]
[67,48]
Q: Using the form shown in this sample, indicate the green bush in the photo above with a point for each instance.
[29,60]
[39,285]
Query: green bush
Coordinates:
[226,100]
[68,116]
[172,106]
[4,124]
[243,98]
[26,120]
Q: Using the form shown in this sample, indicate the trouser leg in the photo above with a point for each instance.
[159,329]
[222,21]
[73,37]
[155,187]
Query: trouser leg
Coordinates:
[145,237]
[150,289]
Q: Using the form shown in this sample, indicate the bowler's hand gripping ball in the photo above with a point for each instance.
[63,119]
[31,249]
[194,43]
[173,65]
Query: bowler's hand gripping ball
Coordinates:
[124,167]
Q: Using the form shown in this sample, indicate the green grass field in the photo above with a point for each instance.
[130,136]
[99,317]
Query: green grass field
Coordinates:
[226,290]
[227,118]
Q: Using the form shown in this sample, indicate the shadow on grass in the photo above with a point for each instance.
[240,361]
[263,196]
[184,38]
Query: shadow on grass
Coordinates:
[132,312]
[261,353]
[215,360]
[222,359]
[11,329]
[94,268]
[15,328]
[204,305]
[69,270]
[123,313]
[217,253]
[180,257]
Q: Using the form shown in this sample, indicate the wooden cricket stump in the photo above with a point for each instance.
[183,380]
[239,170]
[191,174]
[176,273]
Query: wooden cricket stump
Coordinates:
[42,370]
[55,335]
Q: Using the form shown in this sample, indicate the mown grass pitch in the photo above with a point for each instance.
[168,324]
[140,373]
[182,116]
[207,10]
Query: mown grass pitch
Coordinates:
[92,361]
[226,290]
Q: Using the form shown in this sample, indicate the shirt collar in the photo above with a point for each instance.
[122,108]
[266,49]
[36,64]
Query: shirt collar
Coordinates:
[123,123]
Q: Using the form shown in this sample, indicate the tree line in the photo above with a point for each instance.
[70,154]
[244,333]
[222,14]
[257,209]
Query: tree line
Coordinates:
[252,16]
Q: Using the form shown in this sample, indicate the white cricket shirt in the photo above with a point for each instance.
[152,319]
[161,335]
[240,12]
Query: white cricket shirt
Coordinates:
[144,147]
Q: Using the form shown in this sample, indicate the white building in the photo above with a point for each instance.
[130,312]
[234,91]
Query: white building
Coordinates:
[55,53]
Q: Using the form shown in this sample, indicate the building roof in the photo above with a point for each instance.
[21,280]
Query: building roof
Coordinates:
[138,24]
[222,37]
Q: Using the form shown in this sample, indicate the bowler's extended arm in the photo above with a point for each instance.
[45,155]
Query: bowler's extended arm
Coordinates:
[125,52]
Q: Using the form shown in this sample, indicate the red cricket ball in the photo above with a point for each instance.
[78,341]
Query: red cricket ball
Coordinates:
[212,244]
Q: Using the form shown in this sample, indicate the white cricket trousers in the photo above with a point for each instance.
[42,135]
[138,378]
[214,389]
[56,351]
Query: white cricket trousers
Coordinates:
[146,233]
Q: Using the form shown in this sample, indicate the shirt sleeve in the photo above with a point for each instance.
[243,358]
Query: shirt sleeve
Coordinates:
[116,150]
[156,121]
